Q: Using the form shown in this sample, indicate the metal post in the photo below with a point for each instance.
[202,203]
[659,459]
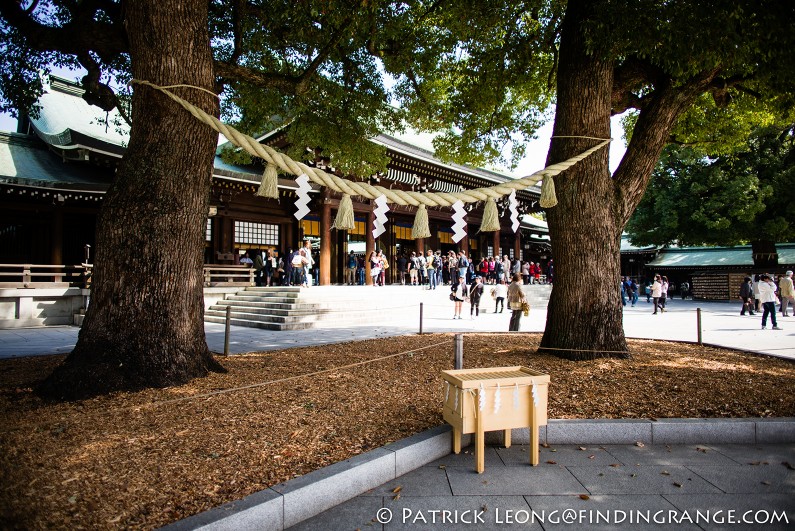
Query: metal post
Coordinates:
[698,324]
[226,334]
[458,362]
[420,318]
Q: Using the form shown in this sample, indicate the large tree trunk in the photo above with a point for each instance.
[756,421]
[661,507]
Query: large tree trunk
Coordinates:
[145,324]
[584,318]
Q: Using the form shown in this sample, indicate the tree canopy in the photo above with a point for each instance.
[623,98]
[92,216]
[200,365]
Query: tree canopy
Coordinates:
[727,199]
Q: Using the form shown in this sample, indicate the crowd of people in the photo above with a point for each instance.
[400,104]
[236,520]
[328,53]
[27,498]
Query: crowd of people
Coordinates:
[294,268]
[429,269]
[433,269]
[761,293]
[758,294]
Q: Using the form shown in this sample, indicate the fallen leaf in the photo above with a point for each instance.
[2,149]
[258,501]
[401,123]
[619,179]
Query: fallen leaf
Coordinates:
[396,497]
[678,485]
[639,444]
[665,473]
[584,497]
[397,489]
[552,462]
[583,448]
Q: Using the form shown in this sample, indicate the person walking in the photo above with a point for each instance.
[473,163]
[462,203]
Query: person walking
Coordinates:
[475,292]
[787,292]
[656,291]
[459,292]
[350,269]
[516,301]
[767,296]
[375,267]
[747,296]
[663,292]
[259,267]
[463,265]
[500,291]
[430,269]
[684,287]
[634,287]
[413,265]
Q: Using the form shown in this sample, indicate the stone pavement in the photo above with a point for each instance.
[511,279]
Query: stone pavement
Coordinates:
[583,487]
[721,325]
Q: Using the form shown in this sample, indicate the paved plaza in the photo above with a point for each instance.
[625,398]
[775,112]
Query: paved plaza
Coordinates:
[721,324]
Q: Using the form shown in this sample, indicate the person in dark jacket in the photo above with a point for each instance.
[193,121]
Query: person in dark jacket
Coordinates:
[459,292]
[475,291]
[747,296]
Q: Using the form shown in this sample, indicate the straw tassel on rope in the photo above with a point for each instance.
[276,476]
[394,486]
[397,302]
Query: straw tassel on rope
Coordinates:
[268,187]
[491,218]
[345,218]
[421,229]
[548,198]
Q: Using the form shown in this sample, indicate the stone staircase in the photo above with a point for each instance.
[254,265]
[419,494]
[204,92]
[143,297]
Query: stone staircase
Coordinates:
[294,308]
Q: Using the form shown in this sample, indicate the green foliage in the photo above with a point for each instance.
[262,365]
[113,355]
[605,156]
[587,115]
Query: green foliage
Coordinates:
[480,75]
[728,199]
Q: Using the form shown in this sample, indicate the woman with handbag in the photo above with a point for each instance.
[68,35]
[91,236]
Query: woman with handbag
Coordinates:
[517,302]
[458,294]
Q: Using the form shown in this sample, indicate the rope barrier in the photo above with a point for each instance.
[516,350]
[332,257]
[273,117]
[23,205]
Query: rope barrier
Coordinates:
[247,387]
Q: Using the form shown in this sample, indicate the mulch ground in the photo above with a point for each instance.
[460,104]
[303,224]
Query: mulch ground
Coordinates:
[142,460]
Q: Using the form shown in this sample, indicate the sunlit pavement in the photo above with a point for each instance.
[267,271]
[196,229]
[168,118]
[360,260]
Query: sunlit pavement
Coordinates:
[721,324]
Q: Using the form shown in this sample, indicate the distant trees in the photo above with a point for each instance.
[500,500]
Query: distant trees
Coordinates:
[728,199]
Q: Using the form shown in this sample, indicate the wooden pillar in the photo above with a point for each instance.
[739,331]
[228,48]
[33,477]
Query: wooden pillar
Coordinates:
[325,240]
[56,252]
[517,244]
[495,242]
[420,246]
[368,280]
[464,243]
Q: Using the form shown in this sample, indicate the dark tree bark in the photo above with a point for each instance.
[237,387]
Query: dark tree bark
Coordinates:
[584,314]
[155,212]
[584,319]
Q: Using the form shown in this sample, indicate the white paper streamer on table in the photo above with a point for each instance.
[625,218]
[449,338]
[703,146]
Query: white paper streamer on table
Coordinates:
[455,406]
[482,398]
[380,216]
[513,206]
[536,397]
[515,396]
[460,225]
[446,391]
[497,400]
[302,203]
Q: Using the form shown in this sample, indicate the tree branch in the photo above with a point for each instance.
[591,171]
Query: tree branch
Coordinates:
[630,76]
[84,33]
[652,132]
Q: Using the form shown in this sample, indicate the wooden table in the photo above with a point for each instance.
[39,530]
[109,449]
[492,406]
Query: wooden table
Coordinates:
[495,398]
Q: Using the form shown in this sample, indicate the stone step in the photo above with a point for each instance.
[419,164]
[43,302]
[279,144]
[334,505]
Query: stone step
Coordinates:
[259,324]
[255,298]
[266,305]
